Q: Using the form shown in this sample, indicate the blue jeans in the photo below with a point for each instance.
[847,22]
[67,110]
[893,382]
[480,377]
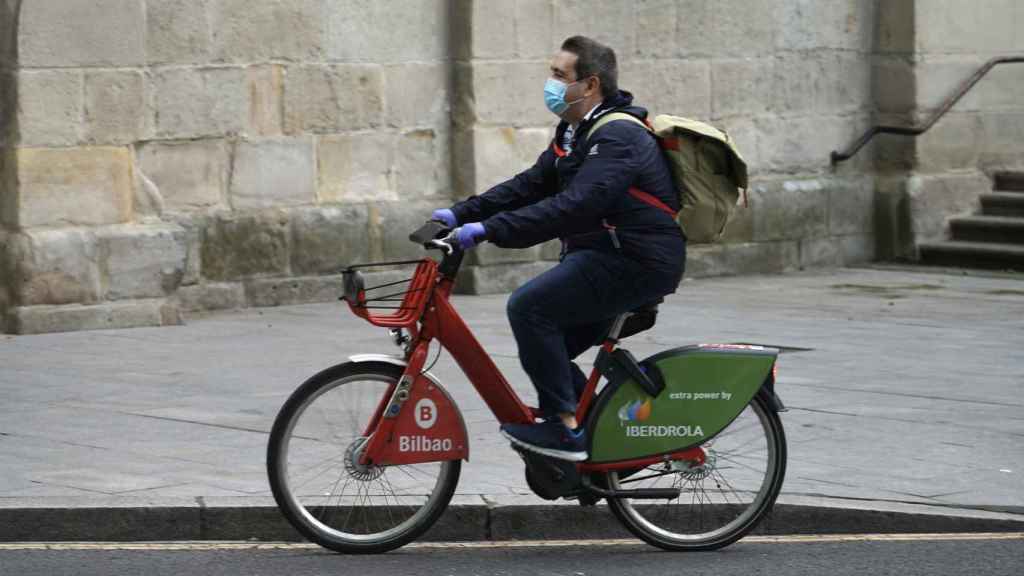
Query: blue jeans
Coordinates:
[561,313]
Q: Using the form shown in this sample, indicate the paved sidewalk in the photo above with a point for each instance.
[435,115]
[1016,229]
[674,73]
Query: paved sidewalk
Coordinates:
[905,391]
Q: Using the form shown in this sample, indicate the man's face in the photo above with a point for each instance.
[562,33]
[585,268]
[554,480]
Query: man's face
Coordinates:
[563,68]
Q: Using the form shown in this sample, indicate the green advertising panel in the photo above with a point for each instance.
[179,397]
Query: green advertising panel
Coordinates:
[706,387]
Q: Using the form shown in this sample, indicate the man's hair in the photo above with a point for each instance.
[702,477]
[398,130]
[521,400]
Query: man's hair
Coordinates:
[594,59]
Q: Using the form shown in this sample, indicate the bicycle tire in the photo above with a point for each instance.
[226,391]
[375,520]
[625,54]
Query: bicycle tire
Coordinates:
[639,516]
[296,441]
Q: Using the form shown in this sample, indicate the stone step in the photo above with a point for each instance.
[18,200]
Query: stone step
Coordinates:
[987,255]
[999,229]
[1003,204]
[1009,181]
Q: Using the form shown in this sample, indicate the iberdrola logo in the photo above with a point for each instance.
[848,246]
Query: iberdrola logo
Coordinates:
[637,411]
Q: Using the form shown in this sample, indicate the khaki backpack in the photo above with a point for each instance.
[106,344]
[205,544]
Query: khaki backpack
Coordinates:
[707,169]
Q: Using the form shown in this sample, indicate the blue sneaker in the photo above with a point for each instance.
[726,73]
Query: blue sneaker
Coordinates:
[551,438]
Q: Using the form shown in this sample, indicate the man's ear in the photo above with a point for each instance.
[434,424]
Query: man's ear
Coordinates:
[595,83]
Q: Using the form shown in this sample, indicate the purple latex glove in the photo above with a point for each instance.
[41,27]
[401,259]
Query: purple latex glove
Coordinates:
[469,235]
[446,216]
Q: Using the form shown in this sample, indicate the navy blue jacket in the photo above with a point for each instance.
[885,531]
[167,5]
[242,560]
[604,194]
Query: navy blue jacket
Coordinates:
[578,196]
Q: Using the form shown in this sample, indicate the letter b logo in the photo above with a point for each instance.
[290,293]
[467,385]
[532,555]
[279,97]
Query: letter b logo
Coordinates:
[426,413]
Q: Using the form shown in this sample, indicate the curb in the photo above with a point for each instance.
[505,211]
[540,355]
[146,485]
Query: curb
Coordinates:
[460,522]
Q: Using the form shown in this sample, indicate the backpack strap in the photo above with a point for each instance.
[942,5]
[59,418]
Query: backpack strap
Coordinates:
[611,117]
[637,193]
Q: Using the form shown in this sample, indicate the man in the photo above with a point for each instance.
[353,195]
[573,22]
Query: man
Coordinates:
[608,197]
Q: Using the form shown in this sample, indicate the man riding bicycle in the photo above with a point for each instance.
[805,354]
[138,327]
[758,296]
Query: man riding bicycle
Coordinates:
[609,196]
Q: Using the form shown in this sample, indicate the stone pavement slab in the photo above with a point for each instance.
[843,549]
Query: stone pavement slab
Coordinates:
[905,387]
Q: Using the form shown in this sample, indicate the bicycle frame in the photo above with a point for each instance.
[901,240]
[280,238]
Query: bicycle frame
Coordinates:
[442,322]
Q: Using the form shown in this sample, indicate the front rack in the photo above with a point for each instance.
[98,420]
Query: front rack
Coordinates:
[406,297]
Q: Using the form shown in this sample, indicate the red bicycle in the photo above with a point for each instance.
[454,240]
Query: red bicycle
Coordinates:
[686,446]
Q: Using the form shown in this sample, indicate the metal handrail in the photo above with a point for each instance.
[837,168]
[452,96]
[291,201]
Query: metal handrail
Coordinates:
[838,157]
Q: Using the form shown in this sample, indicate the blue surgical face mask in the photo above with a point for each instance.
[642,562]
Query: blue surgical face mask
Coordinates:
[554,96]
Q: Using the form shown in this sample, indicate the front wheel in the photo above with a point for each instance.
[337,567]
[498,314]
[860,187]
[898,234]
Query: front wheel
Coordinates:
[722,498]
[317,479]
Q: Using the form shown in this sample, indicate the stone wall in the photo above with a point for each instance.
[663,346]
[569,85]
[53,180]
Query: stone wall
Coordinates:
[789,79]
[194,154]
[927,49]
[160,156]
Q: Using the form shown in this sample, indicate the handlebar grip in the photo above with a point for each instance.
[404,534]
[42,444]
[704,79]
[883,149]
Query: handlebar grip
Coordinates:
[429,231]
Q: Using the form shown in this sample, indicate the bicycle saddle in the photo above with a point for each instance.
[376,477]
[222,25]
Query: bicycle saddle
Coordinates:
[640,319]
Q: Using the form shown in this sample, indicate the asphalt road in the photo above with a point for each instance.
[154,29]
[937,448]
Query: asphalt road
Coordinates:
[931,555]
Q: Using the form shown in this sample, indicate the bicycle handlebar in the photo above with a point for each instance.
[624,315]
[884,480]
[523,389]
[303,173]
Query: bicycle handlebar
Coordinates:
[434,235]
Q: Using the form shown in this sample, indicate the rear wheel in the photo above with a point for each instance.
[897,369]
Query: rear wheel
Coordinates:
[722,498]
[318,482]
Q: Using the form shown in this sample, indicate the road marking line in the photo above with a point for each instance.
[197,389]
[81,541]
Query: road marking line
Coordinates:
[214,545]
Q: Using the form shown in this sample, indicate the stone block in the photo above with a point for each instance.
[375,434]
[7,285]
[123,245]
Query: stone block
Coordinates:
[266,86]
[847,84]
[211,296]
[54,267]
[678,87]
[421,168]
[49,107]
[811,25]
[892,218]
[352,25]
[356,167]
[657,20]
[610,22]
[1002,89]
[492,28]
[291,291]
[74,186]
[333,98]
[188,175]
[695,23]
[851,206]
[134,314]
[749,258]
[194,251]
[326,239]
[246,31]
[197,102]
[740,227]
[819,253]
[744,134]
[8,108]
[500,278]
[949,26]
[802,143]
[798,81]
[509,94]
[1002,139]
[8,189]
[894,85]
[934,199]
[8,41]
[789,209]
[142,261]
[856,249]
[416,95]
[896,29]
[390,226]
[533,29]
[115,107]
[240,246]
[82,33]
[953,142]
[501,153]
[741,87]
[938,78]
[273,172]
[744,28]
[178,32]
